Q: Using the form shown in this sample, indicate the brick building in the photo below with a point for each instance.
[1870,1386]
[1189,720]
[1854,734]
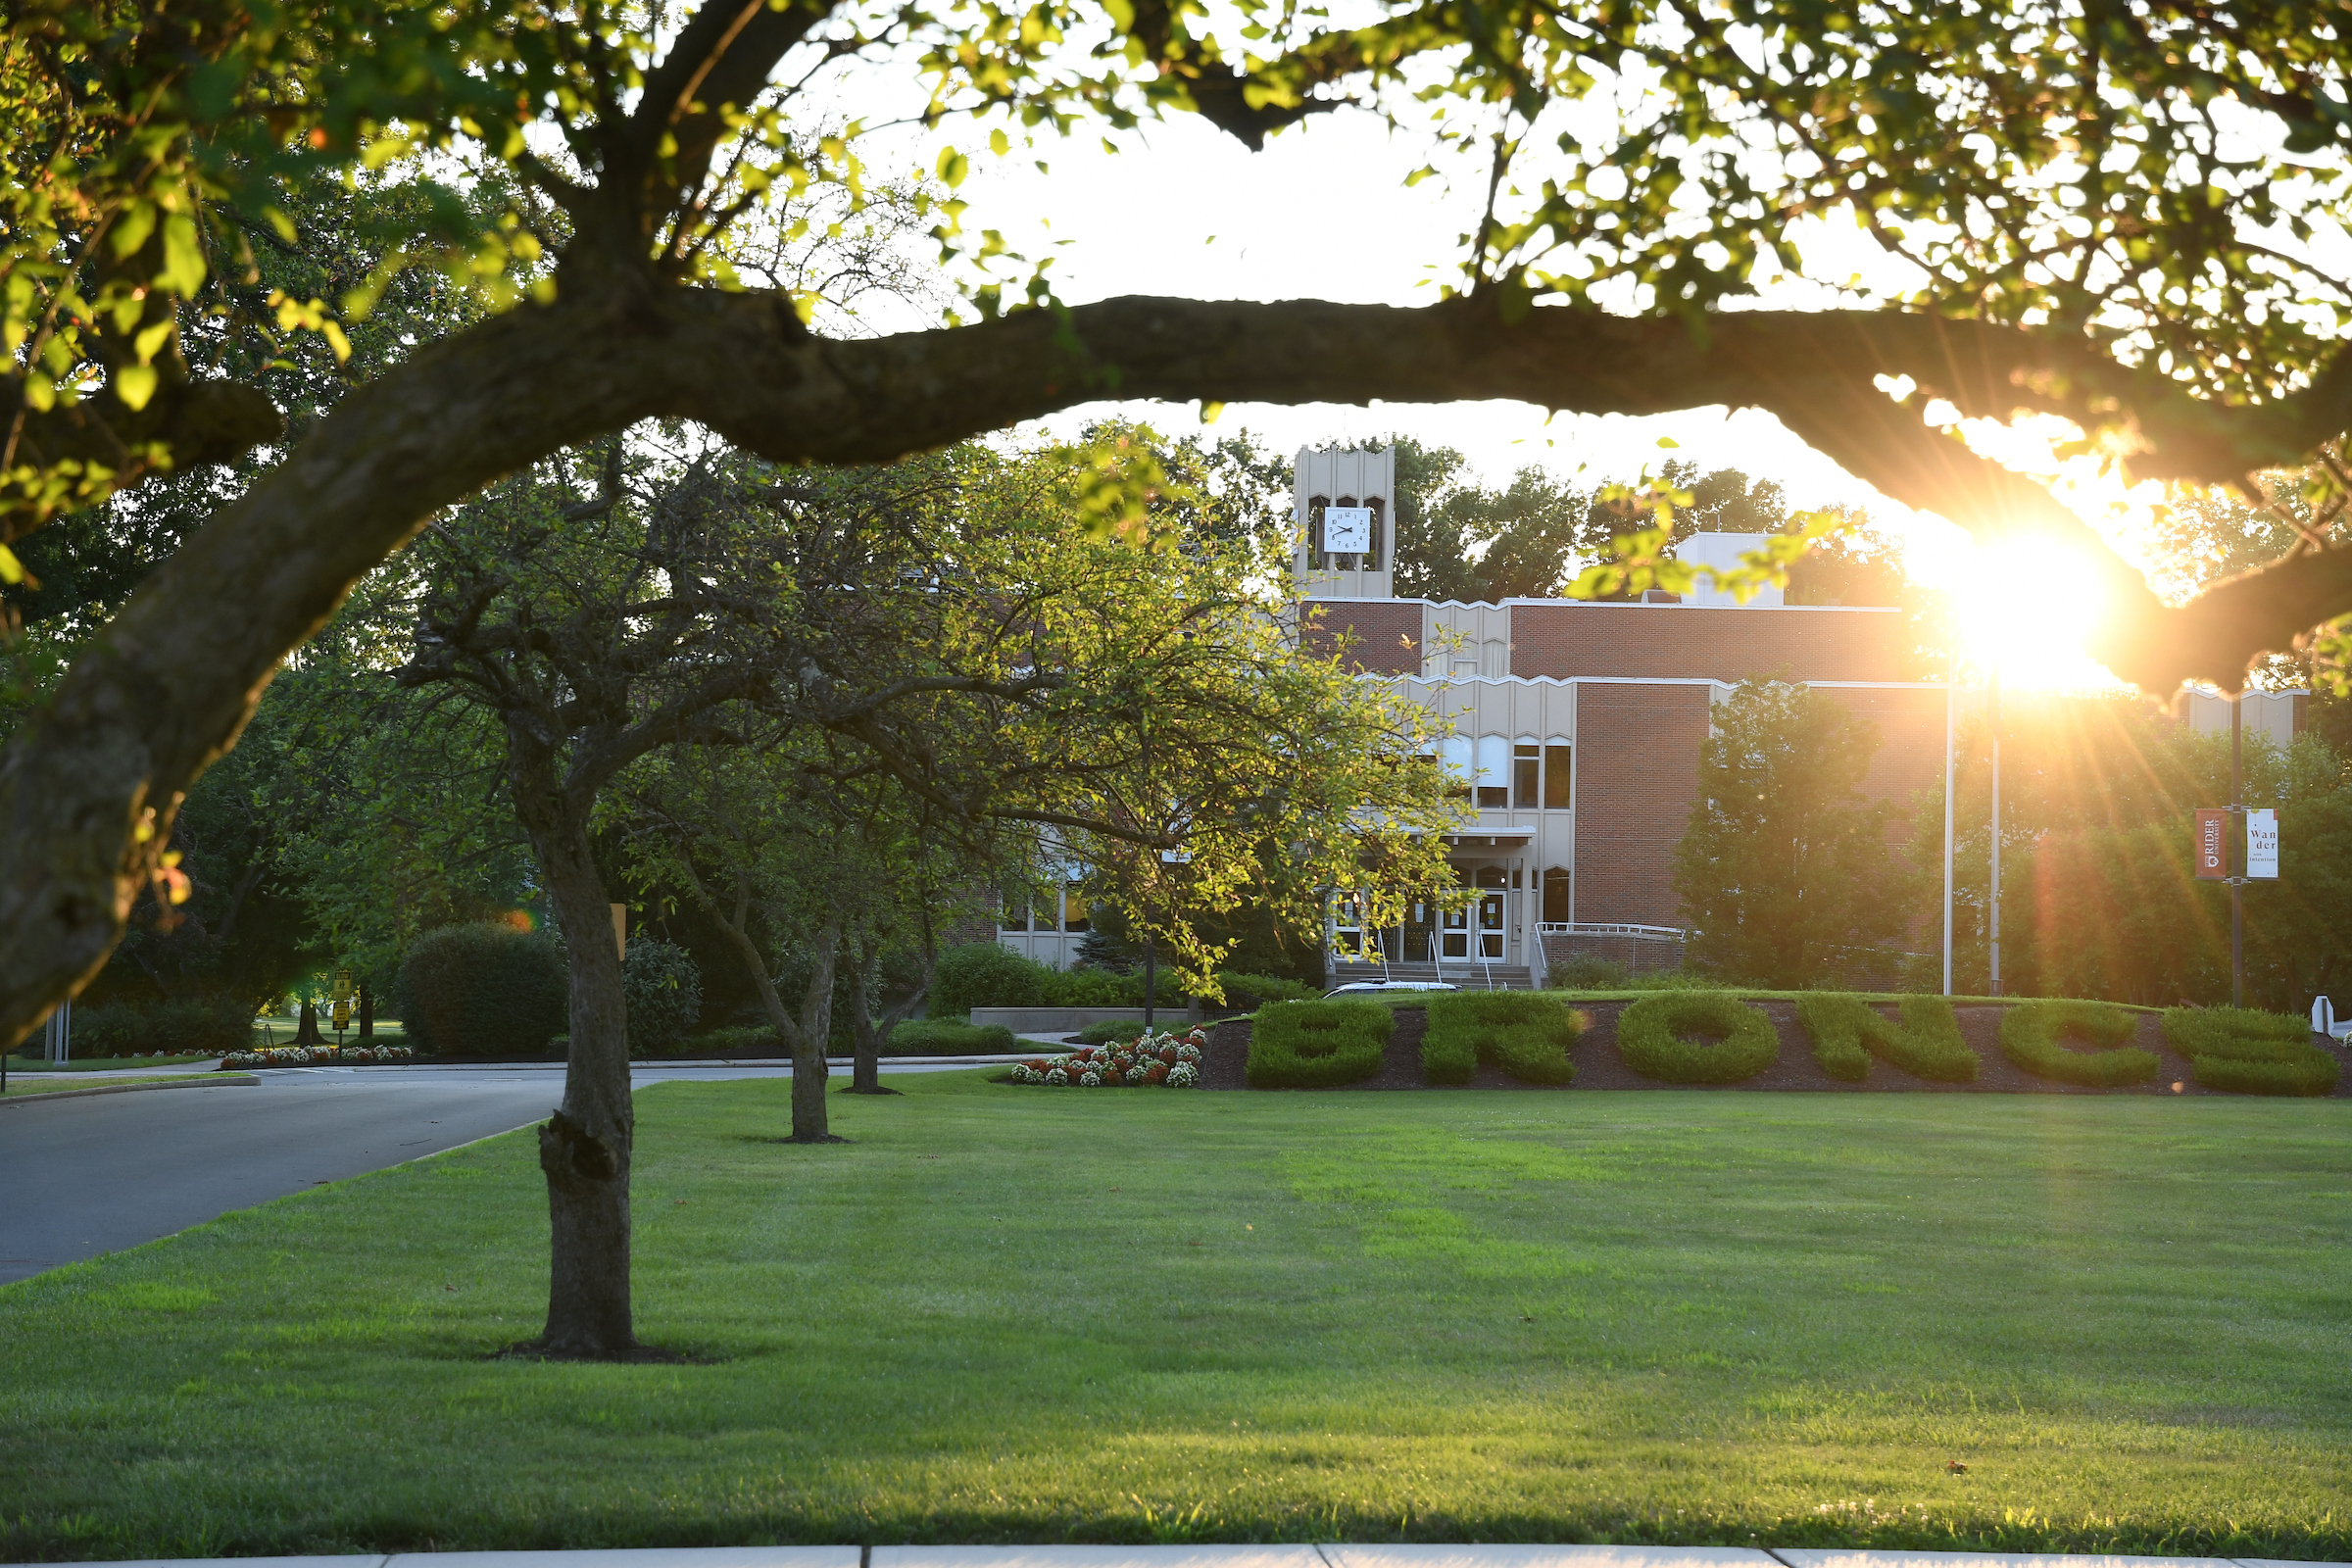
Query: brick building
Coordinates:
[1578,726]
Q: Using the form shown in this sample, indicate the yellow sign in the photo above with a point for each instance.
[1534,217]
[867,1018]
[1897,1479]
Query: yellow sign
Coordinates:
[342,1013]
[342,987]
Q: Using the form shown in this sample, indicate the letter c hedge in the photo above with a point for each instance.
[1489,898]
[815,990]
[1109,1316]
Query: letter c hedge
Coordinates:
[1743,1040]
[2030,1033]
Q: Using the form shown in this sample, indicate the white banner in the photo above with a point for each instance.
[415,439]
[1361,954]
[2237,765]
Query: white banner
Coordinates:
[2262,844]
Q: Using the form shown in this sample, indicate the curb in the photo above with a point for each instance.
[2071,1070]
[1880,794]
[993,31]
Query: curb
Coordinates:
[208,1081]
[1297,1555]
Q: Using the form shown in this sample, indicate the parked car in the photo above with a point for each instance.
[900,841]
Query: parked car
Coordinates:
[1359,988]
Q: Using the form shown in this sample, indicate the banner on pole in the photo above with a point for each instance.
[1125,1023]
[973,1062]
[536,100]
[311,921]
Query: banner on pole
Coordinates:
[2213,853]
[2262,844]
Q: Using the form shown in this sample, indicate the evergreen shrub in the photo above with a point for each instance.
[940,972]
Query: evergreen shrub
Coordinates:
[1525,1033]
[1103,1034]
[1847,1032]
[663,987]
[2247,1052]
[481,991]
[985,974]
[1249,992]
[2033,1032]
[1587,971]
[1741,1042]
[943,1036]
[1317,1045]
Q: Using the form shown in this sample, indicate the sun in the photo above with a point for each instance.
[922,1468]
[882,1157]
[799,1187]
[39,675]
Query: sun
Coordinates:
[2025,611]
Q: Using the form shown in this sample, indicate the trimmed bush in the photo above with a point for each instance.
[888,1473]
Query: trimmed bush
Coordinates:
[1103,1034]
[663,988]
[481,991]
[1740,1041]
[1525,1033]
[1316,1045]
[1101,988]
[2242,1051]
[943,1037]
[2033,1032]
[985,974]
[1847,1032]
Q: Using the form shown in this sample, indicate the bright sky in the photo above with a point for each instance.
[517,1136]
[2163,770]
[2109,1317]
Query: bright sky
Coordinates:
[1323,213]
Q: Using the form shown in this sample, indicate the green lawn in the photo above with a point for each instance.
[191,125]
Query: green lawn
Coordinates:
[1032,1316]
[63,1085]
[17,1064]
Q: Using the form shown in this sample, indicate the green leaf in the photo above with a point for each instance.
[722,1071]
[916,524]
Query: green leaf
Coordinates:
[12,570]
[134,384]
[131,228]
[184,257]
[952,167]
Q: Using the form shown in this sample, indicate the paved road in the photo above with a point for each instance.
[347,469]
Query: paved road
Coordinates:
[89,1175]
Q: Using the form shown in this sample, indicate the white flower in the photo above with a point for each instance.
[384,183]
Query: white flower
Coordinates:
[1055,1075]
[1089,1080]
[1183,1075]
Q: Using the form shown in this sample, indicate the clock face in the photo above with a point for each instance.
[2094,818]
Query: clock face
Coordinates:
[1348,530]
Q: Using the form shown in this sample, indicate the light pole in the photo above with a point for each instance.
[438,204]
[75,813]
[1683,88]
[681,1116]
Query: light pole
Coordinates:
[1992,896]
[1951,666]
[2236,854]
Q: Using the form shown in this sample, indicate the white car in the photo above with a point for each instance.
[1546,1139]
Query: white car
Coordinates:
[1360,987]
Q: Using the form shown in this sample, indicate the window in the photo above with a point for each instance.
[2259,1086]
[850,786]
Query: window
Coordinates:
[1016,914]
[1527,760]
[1558,778]
[1493,772]
[1372,556]
[1555,896]
[1315,558]
[1073,909]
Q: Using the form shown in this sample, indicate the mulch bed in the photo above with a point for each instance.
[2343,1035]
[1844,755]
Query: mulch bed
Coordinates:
[1600,1066]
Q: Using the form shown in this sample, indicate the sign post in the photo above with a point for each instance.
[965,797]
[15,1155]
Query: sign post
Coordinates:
[2213,846]
[2262,845]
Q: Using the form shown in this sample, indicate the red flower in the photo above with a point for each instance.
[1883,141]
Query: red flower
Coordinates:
[1156,1073]
[1167,1054]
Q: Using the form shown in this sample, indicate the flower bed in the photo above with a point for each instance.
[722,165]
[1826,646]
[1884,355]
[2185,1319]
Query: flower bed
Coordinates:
[1156,1060]
[316,1055]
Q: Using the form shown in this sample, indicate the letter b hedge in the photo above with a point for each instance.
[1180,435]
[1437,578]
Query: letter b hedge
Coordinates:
[1317,1045]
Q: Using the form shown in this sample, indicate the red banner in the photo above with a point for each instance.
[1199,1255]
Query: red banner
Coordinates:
[2213,846]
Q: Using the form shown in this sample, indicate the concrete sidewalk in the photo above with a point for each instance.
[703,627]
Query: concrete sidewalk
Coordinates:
[1330,1555]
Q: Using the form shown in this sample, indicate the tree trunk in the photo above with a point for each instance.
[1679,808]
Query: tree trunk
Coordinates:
[872,1032]
[306,1032]
[367,1012]
[585,1146]
[809,1041]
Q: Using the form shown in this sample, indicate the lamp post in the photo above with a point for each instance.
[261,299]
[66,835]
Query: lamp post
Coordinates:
[1951,666]
[1992,893]
[2237,879]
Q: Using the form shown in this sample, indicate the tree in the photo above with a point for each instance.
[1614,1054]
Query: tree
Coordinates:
[630,174]
[1785,870]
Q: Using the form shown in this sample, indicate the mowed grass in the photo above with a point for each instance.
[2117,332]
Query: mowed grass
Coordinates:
[1018,1314]
[60,1084]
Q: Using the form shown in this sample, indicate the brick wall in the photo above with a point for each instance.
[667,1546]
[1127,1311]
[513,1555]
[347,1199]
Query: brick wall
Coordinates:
[1637,775]
[1910,754]
[1688,641]
[1388,632]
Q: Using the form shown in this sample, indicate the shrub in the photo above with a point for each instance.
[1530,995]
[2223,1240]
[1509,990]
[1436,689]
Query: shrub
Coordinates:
[941,1037]
[1589,971]
[2032,1033]
[1742,1041]
[1250,992]
[985,974]
[1526,1034]
[1315,1045]
[1103,1034]
[1847,1032]
[663,988]
[1100,988]
[166,1028]
[732,1040]
[2248,1052]
[481,991]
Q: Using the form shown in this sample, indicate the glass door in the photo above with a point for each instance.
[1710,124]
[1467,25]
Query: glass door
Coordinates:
[1454,934]
[1489,928]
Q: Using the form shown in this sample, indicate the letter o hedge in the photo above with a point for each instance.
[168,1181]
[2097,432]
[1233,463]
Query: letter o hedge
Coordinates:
[1650,1038]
